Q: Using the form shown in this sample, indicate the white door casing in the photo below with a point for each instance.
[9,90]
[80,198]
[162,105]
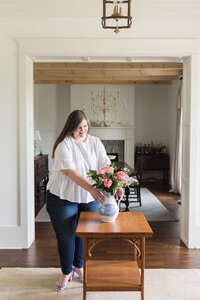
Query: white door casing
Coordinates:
[26,124]
[190,206]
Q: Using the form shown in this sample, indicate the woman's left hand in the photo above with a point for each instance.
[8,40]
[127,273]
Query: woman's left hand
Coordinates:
[98,197]
[119,194]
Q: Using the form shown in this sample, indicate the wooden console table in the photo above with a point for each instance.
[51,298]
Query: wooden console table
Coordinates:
[41,171]
[155,162]
[114,275]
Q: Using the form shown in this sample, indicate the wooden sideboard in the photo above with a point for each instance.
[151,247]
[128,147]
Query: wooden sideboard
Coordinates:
[41,178]
[155,162]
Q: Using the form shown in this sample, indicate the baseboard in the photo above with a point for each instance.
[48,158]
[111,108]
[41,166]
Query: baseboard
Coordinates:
[14,237]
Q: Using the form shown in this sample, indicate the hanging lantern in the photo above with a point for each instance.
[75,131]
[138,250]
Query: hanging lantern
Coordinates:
[116,14]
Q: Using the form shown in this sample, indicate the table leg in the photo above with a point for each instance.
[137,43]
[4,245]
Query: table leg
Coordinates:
[134,254]
[84,267]
[127,192]
[164,176]
[142,266]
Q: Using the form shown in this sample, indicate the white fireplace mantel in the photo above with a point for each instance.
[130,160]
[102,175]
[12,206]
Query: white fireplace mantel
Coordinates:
[118,133]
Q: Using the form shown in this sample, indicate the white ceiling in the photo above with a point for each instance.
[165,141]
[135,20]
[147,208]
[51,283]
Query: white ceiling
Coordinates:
[93,8]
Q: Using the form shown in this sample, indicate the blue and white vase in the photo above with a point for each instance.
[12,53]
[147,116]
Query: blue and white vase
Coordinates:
[109,209]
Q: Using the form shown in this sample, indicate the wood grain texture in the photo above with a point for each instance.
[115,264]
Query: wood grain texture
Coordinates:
[109,65]
[104,275]
[94,81]
[109,73]
[126,224]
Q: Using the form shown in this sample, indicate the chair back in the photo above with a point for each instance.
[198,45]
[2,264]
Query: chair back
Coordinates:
[139,168]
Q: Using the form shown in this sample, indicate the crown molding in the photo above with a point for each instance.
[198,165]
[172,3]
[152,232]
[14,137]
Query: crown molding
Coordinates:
[109,48]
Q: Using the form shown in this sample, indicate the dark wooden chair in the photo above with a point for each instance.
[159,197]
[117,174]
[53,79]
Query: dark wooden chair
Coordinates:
[132,193]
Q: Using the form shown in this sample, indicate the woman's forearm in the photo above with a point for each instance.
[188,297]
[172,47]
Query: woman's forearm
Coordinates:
[81,181]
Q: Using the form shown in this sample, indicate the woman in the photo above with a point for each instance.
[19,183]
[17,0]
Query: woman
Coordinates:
[69,192]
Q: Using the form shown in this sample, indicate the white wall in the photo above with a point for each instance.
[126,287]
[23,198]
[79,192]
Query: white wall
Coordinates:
[155,117]
[82,94]
[9,124]
[151,113]
[77,18]
[51,109]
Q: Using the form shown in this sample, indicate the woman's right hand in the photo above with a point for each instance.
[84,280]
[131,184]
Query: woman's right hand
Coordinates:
[98,197]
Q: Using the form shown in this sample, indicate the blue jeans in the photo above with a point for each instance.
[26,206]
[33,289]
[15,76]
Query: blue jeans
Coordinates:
[64,218]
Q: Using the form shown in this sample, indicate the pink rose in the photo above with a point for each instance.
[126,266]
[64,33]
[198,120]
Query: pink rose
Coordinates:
[121,176]
[100,172]
[107,182]
[109,170]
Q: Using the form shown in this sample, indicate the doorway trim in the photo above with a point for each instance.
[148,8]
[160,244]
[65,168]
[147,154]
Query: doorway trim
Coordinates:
[33,50]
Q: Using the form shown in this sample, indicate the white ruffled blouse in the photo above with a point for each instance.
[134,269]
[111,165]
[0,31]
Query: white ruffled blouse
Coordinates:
[81,156]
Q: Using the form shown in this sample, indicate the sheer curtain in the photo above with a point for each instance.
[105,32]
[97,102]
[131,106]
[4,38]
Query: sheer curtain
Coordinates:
[176,174]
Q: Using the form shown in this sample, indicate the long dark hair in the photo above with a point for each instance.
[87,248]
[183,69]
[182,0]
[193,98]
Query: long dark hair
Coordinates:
[72,123]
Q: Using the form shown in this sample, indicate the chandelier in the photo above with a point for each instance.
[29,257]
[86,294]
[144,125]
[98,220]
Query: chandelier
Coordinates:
[116,14]
[108,109]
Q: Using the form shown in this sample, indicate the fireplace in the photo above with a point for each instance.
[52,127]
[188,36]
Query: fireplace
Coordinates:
[117,140]
[115,146]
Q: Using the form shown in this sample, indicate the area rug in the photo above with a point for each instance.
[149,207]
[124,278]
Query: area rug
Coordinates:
[39,283]
[151,207]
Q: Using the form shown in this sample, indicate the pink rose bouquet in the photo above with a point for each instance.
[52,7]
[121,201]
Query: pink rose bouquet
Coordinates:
[110,179]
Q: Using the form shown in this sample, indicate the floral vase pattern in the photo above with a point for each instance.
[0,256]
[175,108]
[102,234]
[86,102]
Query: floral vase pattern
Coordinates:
[109,209]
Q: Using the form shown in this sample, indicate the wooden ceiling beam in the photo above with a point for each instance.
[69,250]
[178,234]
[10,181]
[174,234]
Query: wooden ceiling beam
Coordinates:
[100,82]
[107,65]
[109,73]
[107,78]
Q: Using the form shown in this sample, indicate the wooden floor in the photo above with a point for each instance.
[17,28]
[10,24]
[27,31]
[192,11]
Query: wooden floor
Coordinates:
[163,250]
